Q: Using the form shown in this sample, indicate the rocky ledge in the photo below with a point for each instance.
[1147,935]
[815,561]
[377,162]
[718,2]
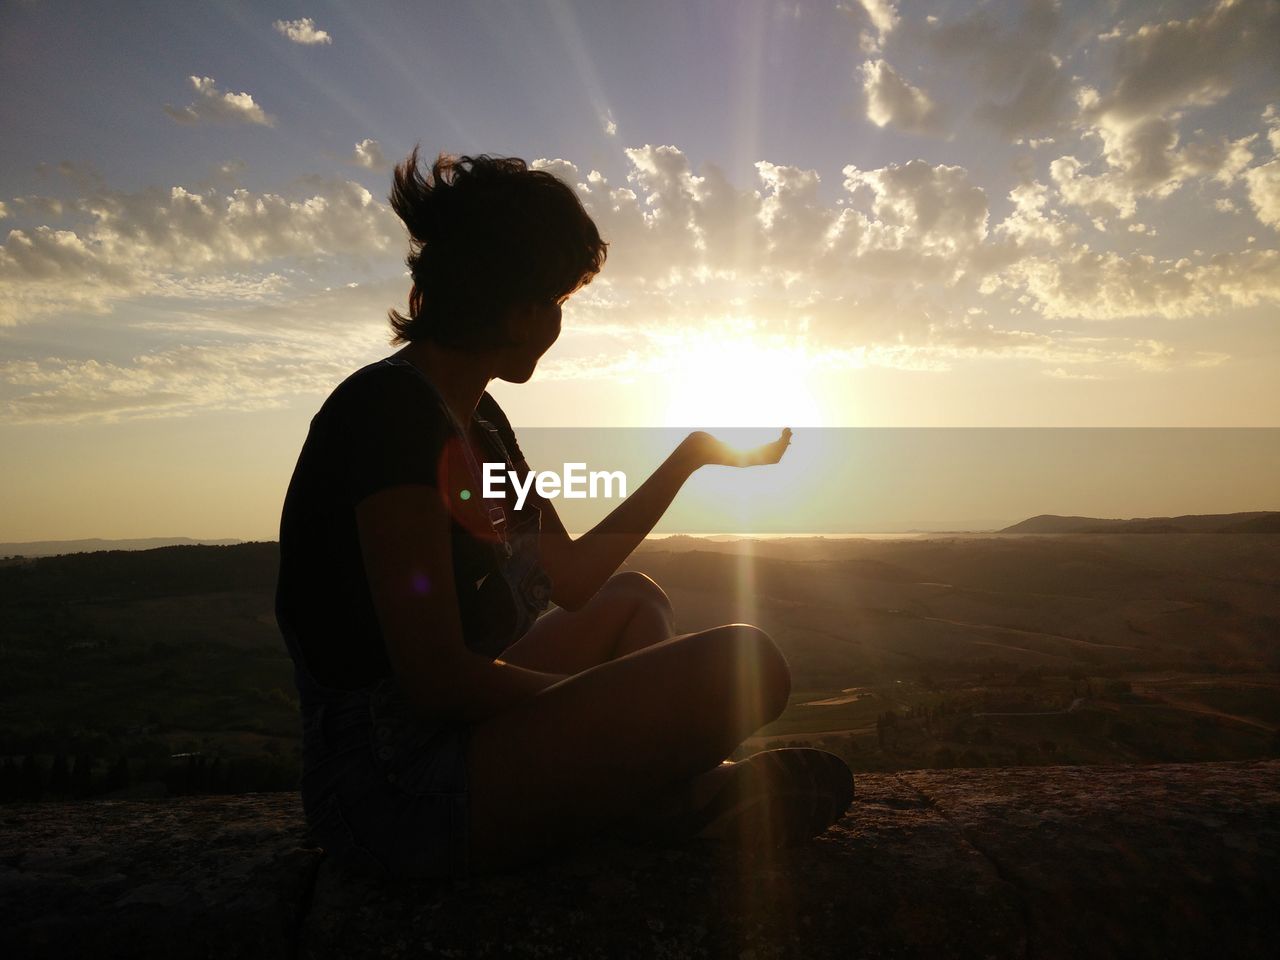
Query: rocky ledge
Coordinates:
[1177,860]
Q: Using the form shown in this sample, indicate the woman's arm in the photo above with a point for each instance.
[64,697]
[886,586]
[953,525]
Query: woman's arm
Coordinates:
[578,568]
[405,541]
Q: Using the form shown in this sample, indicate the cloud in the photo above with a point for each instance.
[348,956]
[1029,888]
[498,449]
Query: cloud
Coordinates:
[174,382]
[1264,192]
[1145,160]
[876,20]
[904,265]
[192,357]
[1161,66]
[1081,283]
[1263,182]
[368,154]
[1058,373]
[180,243]
[610,126]
[302,31]
[1032,223]
[892,101]
[219,106]
[1024,87]
[922,206]
[1160,71]
[906,245]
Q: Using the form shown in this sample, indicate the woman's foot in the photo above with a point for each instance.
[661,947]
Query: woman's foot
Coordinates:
[676,805]
[779,796]
[784,796]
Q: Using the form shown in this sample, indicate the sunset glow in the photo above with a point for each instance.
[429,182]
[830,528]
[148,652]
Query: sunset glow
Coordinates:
[855,213]
[738,379]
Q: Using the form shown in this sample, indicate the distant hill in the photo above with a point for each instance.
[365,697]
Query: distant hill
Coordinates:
[53,548]
[1260,521]
[115,575]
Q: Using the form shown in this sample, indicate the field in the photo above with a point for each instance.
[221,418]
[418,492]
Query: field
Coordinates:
[995,650]
[934,651]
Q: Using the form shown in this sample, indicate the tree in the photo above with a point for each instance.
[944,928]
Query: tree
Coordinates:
[32,785]
[118,775]
[60,776]
[10,778]
[217,776]
[82,776]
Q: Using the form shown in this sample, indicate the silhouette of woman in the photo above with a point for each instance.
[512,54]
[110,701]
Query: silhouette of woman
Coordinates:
[450,725]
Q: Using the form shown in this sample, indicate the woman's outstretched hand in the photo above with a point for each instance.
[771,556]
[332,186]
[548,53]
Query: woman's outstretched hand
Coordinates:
[703,449]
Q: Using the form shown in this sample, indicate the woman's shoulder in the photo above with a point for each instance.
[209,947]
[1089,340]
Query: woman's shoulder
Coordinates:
[380,386]
[384,374]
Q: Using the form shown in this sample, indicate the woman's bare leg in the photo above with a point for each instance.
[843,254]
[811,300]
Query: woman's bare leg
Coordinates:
[628,613]
[602,745]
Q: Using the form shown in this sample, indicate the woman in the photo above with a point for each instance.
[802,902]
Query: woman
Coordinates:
[424,754]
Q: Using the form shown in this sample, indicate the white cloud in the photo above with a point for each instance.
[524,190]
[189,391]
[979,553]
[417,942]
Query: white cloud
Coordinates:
[901,265]
[302,31]
[174,382]
[1032,222]
[610,127]
[219,106]
[921,206]
[892,101]
[1162,70]
[1264,192]
[176,242]
[1058,373]
[1144,159]
[910,246]
[368,154]
[876,19]
[1080,283]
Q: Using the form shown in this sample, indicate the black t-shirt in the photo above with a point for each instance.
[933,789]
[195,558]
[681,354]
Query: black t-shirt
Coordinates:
[381,427]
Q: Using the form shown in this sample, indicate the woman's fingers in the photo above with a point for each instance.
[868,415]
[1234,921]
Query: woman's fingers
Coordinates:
[766,453]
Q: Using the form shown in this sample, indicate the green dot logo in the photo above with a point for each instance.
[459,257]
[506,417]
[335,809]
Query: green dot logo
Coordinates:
[465,495]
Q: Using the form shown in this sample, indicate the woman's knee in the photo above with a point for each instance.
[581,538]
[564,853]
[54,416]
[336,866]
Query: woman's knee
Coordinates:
[640,589]
[743,643]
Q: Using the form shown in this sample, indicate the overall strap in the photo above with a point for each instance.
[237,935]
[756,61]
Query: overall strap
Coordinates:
[496,514]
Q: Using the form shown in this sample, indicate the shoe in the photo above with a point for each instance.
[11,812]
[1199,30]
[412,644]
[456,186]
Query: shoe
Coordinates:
[778,797]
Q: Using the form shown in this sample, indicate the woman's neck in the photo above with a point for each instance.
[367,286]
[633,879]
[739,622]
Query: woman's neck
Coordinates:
[460,377]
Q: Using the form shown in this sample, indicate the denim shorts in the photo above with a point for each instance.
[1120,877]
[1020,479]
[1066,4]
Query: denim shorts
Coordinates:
[384,791]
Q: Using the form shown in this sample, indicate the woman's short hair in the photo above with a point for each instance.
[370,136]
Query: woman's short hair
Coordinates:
[487,233]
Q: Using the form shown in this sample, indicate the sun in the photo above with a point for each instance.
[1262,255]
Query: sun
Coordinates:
[739,377]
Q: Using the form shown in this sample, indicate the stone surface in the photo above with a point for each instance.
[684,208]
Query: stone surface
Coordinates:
[1172,861]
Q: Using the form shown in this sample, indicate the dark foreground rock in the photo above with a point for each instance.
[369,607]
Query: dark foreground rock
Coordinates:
[1175,860]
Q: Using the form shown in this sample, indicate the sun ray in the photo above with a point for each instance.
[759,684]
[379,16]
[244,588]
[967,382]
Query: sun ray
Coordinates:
[735,377]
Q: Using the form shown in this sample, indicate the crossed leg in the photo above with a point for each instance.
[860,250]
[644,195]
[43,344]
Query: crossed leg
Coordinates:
[619,735]
[628,613]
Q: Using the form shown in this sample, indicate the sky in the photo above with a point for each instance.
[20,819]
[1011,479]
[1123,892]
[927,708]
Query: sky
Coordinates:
[821,214]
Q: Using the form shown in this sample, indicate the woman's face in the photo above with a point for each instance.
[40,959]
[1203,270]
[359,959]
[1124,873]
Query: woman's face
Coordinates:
[534,328]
